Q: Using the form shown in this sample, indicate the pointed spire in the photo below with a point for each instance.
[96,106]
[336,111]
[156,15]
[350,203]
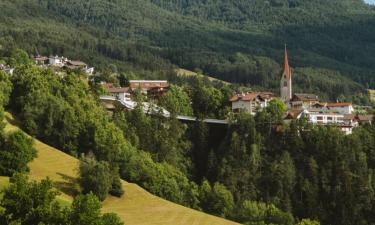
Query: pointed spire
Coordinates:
[287,70]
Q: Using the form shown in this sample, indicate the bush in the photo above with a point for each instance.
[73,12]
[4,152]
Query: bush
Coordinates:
[216,200]
[16,151]
[95,177]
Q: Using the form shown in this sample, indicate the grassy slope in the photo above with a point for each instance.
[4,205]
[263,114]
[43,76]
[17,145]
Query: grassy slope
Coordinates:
[372,95]
[136,207]
[188,73]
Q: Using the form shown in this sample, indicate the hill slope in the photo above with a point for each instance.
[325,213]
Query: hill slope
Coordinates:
[237,41]
[135,207]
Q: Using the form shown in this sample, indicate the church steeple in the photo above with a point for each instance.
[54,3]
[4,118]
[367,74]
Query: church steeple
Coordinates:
[286,80]
[287,70]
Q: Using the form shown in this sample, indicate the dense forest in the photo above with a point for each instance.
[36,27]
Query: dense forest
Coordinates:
[256,170]
[237,41]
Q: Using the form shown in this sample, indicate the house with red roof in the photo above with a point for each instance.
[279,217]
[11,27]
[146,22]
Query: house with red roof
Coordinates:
[250,102]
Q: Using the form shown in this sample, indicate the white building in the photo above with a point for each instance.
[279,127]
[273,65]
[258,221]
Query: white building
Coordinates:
[250,102]
[119,93]
[324,117]
[57,61]
[303,101]
[340,107]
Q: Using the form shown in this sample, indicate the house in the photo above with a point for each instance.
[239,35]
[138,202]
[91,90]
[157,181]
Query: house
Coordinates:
[325,117]
[250,102]
[120,93]
[8,69]
[365,119]
[79,65]
[41,60]
[303,101]
[57,61]
[150,87]
[340,107]
[71,64]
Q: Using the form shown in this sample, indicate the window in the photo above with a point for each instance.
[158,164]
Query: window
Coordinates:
[319,118]
[329,118]
[285,84]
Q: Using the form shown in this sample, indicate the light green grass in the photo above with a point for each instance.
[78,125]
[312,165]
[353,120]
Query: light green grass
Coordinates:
[135,207]
[372,95]
[188,73]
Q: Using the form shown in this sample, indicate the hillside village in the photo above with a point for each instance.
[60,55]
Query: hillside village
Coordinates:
[300,105]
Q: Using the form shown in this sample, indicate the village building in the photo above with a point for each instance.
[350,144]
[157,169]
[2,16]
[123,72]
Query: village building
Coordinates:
[251,102]
[154,88]
[303,101]
[7,69]
[41,60]
[57,61]
[120,93]
[340,107]
[286,81]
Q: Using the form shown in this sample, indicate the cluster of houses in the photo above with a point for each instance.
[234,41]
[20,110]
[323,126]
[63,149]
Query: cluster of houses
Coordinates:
[55,62]
[63,62]
[300,105]
[150,88]
[8,69]
[341,114]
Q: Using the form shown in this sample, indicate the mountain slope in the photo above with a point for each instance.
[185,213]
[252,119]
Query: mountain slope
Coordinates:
[135,207]
[156,35]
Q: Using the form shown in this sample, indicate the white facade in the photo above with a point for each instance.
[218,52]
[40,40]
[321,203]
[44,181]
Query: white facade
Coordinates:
[122,96]
[325,118]
[249,103]
[56,61]
[242,106]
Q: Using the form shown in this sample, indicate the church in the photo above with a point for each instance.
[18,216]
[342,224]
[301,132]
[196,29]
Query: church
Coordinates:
[299,104]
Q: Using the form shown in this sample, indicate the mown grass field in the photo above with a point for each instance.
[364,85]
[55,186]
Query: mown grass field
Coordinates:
[372,95]
[135,207]
[188,73]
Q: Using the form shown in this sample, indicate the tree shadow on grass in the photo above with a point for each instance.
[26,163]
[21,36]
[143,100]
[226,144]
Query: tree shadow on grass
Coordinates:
[69,186]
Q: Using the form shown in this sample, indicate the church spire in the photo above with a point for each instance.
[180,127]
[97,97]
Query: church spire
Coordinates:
[287,70]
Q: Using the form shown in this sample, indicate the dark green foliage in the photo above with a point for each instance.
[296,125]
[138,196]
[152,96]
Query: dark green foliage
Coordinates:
[5,88]
[31,203]
[116,188]
[77,124]
[16,151]
[167,141]
[254,213]
[95,177]
[99,178]
[216,199]
[161,179]
[238,41]
[177,101]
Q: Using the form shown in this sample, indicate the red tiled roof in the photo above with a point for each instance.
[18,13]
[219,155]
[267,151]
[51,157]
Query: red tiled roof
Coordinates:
[148,84]
[287,70]
[365,118]
[304,97]
[335,104]
[250,96]
[118,90]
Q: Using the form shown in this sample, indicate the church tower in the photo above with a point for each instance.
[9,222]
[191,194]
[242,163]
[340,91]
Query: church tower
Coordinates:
[286,81]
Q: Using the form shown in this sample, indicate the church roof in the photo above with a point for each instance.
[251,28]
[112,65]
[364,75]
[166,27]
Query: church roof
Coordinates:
[251,96]
[287,70]
[305,97]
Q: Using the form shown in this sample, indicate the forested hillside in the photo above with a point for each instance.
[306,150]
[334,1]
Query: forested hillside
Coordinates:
[238,41]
